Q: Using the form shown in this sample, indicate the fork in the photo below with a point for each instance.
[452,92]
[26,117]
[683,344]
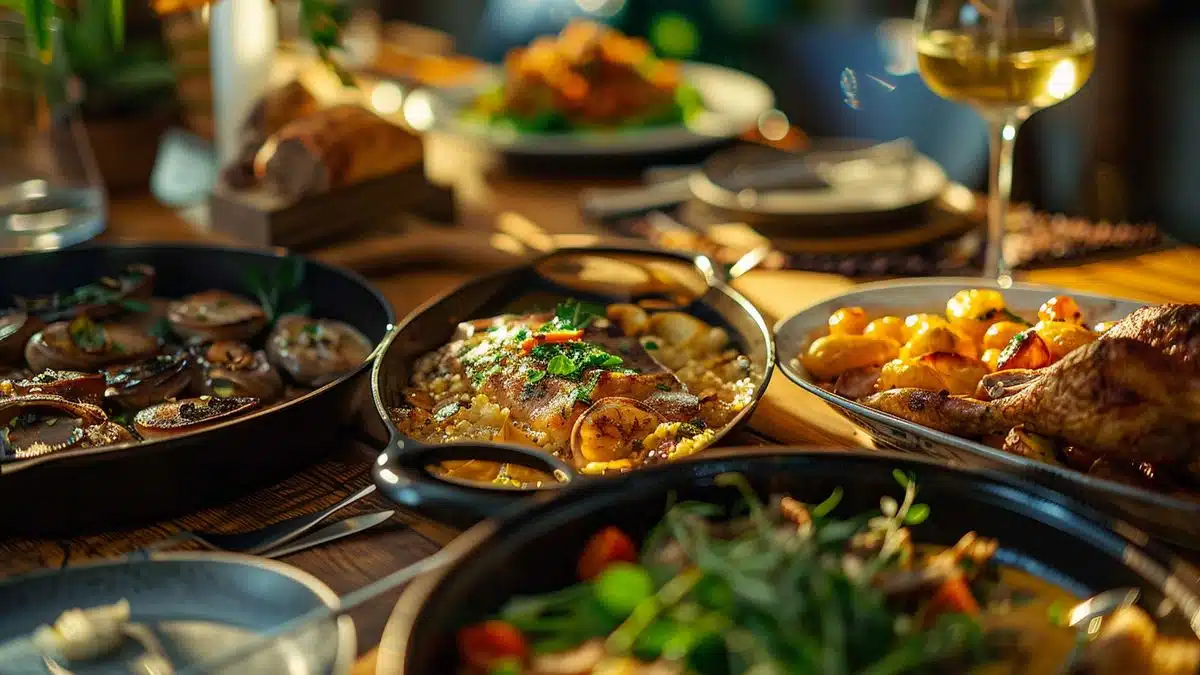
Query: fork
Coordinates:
[257,541]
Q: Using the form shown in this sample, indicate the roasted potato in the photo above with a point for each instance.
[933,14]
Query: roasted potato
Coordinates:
[830,356]
[937,338]
[913,323]
[960,373]
[1031,445]
[900,374]
[848,321]
[998,334]
[973,311]
[991,358]
[1026,350]
[1062,337]
[886,326]
[1061,308]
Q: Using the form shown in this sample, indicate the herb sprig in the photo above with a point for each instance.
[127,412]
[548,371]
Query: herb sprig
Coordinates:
[280,293]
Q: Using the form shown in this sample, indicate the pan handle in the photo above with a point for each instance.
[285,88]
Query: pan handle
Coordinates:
[402,473]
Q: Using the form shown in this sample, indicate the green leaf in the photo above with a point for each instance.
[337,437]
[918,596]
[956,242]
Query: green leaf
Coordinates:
[134,305]
[561,365]
[901,478]
[917,514]
[826,507]
[116,21]
[536,376]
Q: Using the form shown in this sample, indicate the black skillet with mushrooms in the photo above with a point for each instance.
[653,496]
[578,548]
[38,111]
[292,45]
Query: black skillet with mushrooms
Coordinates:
[108,363]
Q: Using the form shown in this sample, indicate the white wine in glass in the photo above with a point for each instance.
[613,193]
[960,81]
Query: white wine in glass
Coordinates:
[1007,59]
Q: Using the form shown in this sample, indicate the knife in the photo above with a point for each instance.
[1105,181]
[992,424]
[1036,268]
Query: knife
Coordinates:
[342,528]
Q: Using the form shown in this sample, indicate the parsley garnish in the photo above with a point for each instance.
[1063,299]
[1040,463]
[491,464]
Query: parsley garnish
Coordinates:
[536,376]
[662,387]
[572,314]
[650,345]
[86,335]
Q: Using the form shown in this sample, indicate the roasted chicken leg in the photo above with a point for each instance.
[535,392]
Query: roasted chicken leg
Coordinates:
[1173,329]
[1118,396]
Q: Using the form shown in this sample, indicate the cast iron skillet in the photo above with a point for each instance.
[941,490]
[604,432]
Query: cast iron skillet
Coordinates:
[86,490]
[536,549]
[401,471]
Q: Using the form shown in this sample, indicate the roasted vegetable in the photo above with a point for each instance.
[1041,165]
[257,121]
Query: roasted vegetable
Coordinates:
[832,355]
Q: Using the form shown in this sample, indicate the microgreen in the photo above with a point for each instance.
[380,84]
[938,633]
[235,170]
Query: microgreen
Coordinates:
[279,293]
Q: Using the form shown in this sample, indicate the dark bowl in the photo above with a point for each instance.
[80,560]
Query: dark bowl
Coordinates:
[71,492]
[401,472]
[536,549]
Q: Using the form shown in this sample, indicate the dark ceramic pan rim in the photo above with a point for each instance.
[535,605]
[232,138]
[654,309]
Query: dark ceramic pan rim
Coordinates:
[7,468]
[998,457]
[1158,565]
[717,280]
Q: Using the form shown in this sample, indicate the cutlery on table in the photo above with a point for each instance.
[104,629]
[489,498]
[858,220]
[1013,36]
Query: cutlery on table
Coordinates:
[331,532]
[258,541]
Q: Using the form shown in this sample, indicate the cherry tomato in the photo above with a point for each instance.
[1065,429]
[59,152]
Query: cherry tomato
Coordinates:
[606,547]
[483,645]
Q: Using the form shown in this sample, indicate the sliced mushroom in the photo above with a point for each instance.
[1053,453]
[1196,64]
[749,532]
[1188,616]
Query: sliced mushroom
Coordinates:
[69,384]
[216,315]
[83,345]
[611,429]
[102,298]
[316,352]
[182,417]
[234,369]
[39,424]
[147,382]
[15,330]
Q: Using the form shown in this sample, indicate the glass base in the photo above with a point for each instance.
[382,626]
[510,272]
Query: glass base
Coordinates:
[38,216]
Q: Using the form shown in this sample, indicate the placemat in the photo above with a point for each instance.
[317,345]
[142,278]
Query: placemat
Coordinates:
[950,243]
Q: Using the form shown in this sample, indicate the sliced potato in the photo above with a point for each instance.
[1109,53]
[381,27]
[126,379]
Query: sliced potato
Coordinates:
[830,356]
[848,321]
[901,374]
[1025,350]
[960,373]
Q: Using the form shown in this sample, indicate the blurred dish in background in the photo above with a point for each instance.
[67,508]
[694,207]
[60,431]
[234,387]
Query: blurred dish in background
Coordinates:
[594,92]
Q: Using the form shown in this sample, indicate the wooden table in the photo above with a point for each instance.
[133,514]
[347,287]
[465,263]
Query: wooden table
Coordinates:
[418,262]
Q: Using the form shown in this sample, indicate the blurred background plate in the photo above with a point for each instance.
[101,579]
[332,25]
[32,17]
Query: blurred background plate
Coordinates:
[196,604]
[734,101]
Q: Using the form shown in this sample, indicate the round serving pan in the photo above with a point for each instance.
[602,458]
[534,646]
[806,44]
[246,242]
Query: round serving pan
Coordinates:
[1172,518]
[401,471]
[71,492]
[536,549]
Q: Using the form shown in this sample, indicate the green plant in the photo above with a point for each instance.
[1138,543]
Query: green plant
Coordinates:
[118,77]
[94,41]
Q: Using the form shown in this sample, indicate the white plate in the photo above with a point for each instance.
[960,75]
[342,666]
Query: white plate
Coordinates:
[733,103]
[1164,515]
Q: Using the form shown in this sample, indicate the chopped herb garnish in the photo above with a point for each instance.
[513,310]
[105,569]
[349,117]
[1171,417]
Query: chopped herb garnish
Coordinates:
[561,365]
[162,329]
[572,314]
[584,393]
[662,387]
[650,345]
[536,376]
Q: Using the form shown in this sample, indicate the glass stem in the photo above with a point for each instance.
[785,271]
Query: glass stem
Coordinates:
[1003,140]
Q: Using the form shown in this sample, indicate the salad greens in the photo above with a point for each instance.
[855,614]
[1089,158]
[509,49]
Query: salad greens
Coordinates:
[778,588]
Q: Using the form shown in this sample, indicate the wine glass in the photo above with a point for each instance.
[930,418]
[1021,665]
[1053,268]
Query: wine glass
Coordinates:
[1008,59]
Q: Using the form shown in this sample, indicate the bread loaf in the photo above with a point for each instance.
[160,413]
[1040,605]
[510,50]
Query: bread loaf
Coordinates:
[331,148]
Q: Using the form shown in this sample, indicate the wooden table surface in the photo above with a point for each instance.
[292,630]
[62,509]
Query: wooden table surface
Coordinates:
[413,263]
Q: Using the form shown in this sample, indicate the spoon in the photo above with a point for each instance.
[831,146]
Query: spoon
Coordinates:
[1087,616]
